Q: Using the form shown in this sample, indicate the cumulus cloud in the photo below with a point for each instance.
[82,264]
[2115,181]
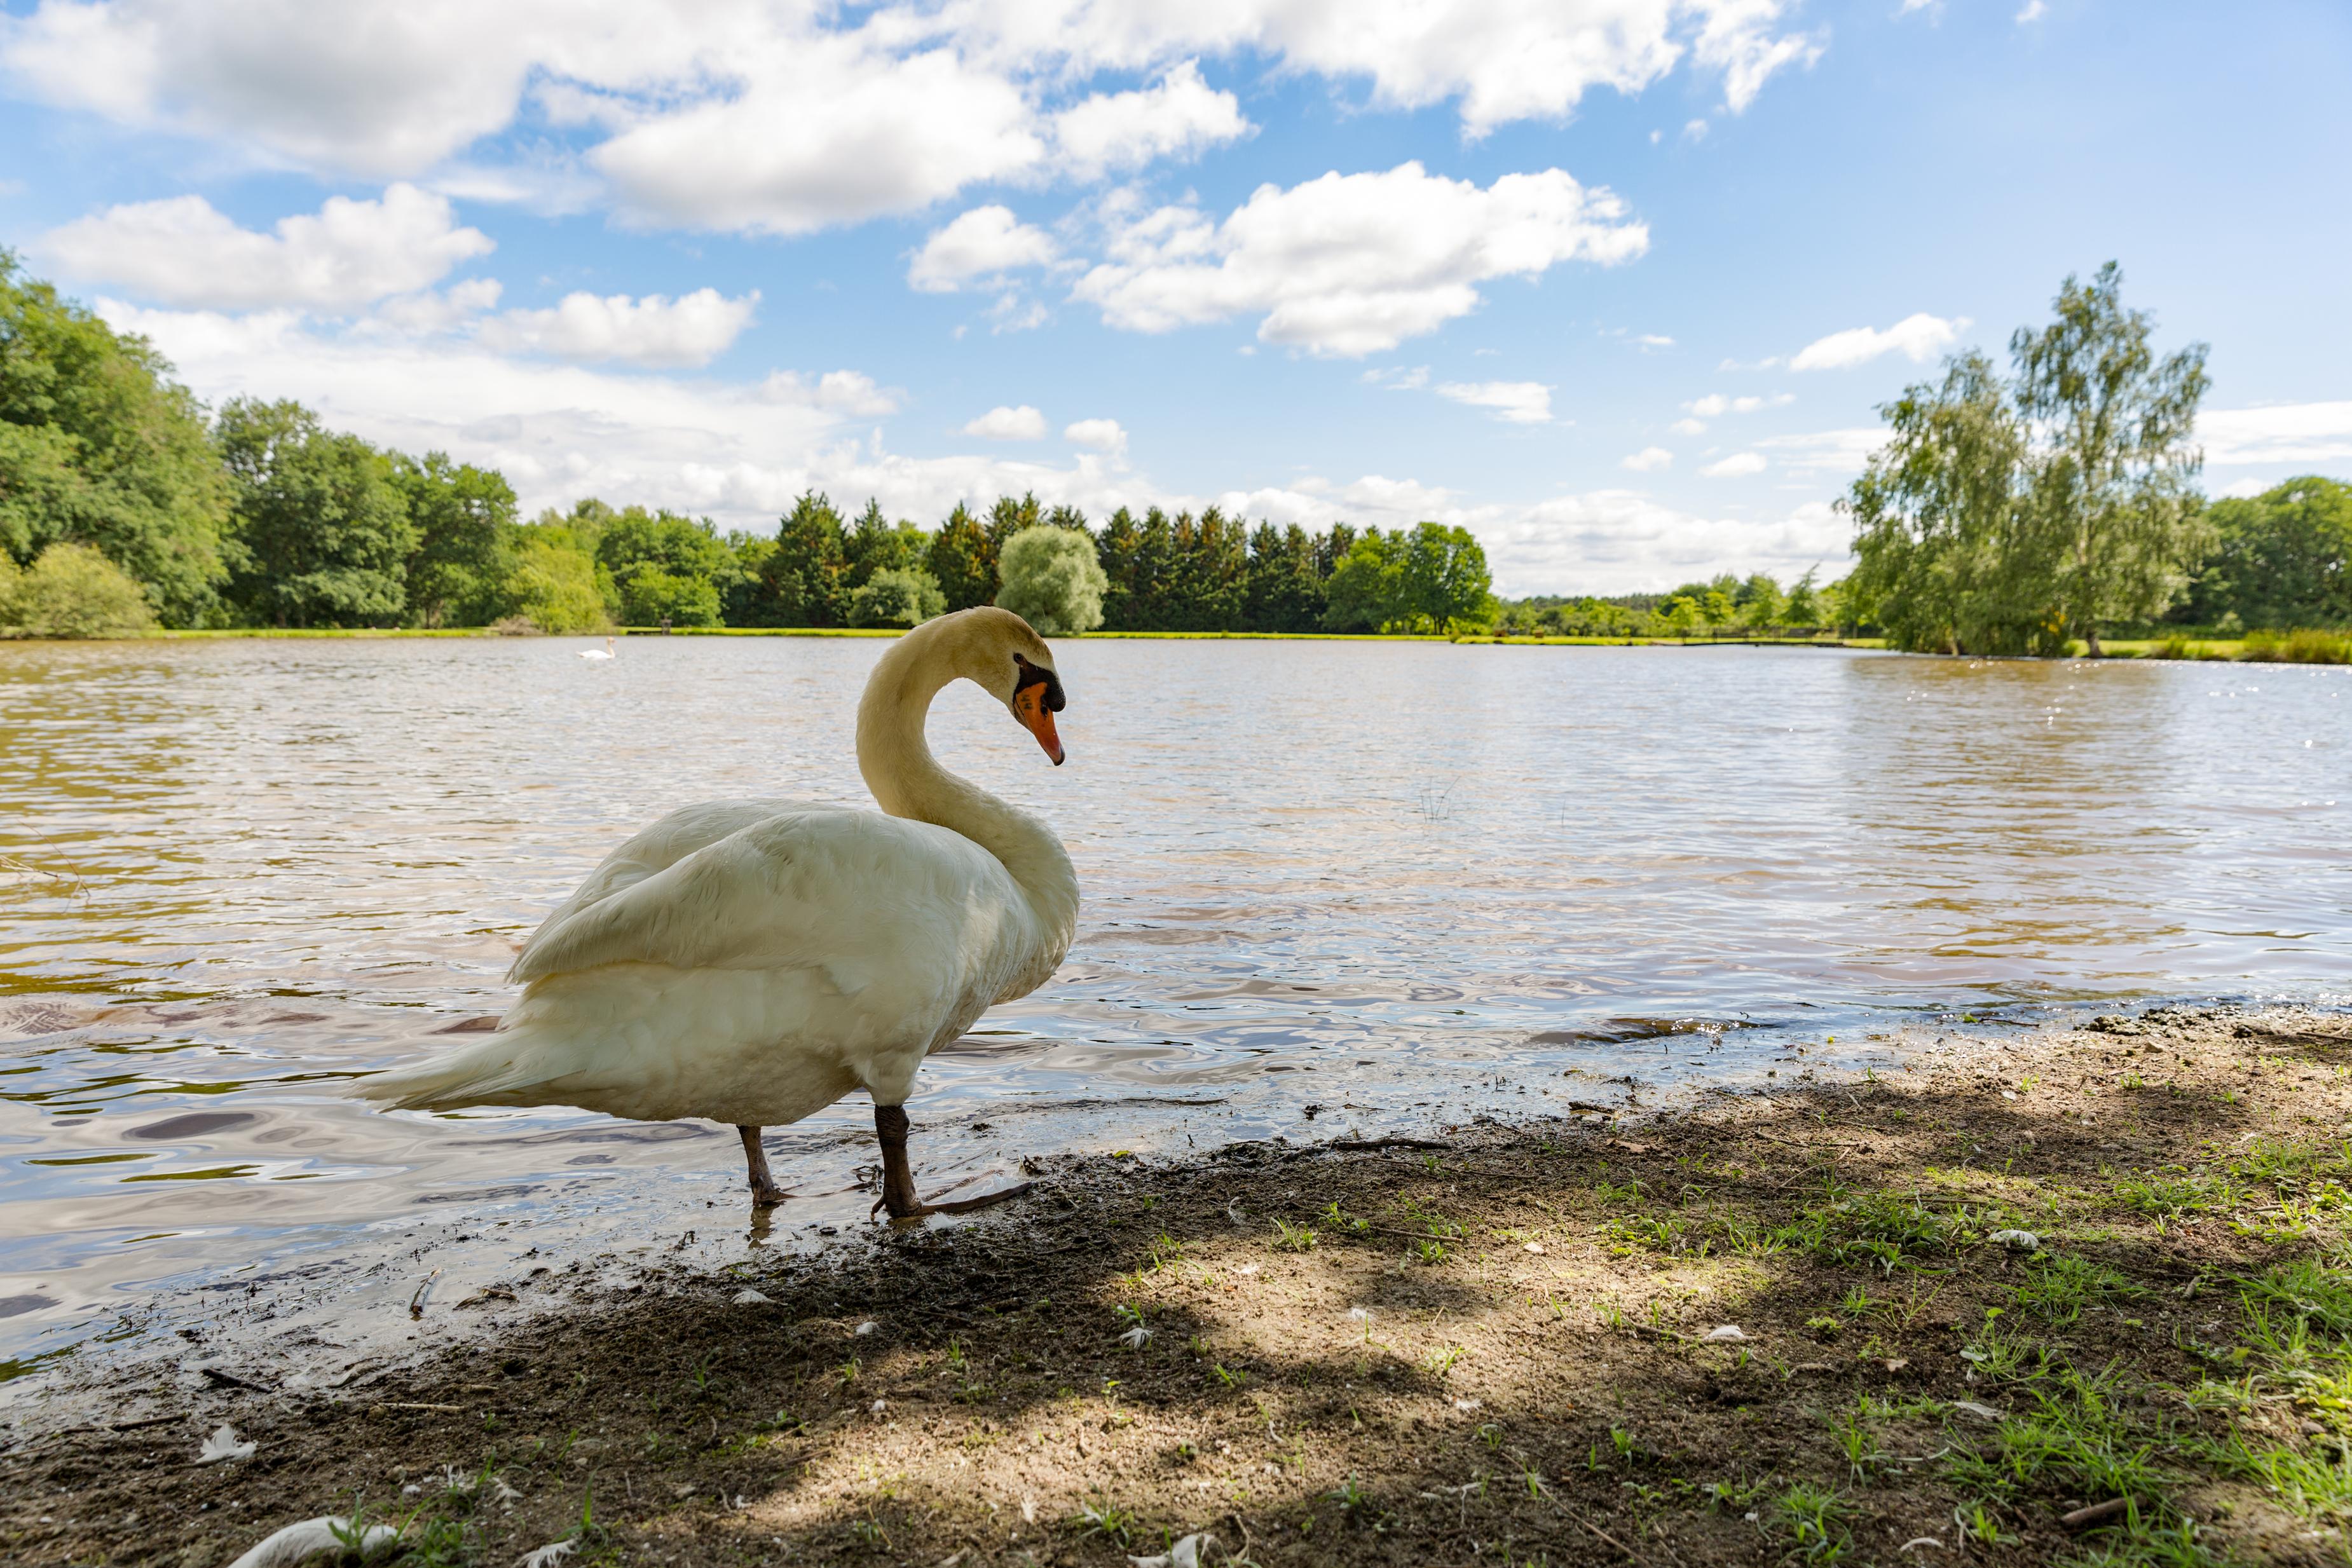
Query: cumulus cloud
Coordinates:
[1514,403]
[831,132]
[1104,435]
[1917,338]
[1351,265]
[2287,433]
[692,330]
[1650,460]
[1715,405]
[739,114]
[985,241]
[1841,453]
[1688,427]
[1737,466]
[741,450]
[1179,116]
[182,251]
[1002,424]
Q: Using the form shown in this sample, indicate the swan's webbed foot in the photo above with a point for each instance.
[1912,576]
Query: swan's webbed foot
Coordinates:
[898,1177]
[765,1193]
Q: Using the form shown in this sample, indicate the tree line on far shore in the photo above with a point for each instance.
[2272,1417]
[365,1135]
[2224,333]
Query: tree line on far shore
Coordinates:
[2003,515]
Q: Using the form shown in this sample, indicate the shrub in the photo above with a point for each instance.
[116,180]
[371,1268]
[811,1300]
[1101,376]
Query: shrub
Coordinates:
[651,596]
[2306,645]
[1051,578]
[73,591]
[555,589]
[897,596]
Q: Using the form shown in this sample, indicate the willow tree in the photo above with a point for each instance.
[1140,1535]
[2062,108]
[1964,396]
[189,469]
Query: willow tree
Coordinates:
[1052,579]
[1947,559]
[2114,471]
[2008,518]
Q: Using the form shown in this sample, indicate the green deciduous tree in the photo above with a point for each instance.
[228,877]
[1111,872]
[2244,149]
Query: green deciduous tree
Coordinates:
[1363,592]
[664,566]
[463,517]
[555,586]
[2281,559]
[322,533]
[99,446]
[2113,472]
[1442,578]
[897,596]
[1052,579]
[1949,555]
[2006,520]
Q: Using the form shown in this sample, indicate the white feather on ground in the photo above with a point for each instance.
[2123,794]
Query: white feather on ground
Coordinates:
[311,1536]
[223,1445]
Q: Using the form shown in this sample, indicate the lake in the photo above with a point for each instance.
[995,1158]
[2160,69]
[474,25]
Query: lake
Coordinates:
[1327,885]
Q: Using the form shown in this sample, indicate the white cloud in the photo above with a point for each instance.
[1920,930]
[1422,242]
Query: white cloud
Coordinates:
[982,241]
[741,452]
[749,115]
[1715,405]
[692,330]
[2033,11]
[1396,377]
[1351,265]
[1097,434]
[1654,340]
[1917,338]
[1737,466]
[1695,130]
[1179,116]
[1650,460]
[1512,402]
[1603,541]
[1002,424]
[1834,452]
[1688,427]
[826,131]
[182,251]
[436,310]
[2300,432]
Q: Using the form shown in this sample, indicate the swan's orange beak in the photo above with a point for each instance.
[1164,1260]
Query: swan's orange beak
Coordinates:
[1029,707]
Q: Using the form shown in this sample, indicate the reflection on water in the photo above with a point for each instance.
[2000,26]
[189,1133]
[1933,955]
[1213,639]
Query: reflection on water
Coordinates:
[1387,883]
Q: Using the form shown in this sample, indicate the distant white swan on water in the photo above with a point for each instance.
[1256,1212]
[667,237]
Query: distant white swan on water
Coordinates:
[604,653]
[754,961]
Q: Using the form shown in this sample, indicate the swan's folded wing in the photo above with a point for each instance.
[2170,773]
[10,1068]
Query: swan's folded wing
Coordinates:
[863,896]
[655,848]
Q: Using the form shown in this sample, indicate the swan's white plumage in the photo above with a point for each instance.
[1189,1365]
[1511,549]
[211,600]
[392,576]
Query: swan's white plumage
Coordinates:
[752,961]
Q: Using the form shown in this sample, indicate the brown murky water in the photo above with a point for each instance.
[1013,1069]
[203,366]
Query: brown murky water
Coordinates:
[1392,884]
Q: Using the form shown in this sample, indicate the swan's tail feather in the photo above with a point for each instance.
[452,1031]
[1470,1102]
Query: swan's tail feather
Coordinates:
[489,1073]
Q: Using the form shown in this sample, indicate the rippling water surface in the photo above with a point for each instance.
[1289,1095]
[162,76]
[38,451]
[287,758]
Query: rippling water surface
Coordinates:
[1326,884]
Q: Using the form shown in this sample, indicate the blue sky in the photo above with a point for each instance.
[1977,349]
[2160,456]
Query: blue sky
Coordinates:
[1615,282]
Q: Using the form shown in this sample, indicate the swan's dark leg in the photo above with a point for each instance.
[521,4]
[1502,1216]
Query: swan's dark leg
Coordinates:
[898,1177]
[765,1193]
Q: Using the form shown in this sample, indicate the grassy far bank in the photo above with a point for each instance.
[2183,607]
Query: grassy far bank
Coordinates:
[2315,648]
[1498,1344]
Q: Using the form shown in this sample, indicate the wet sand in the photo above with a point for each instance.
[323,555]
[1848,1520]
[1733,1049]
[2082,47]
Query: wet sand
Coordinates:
[1499,1343]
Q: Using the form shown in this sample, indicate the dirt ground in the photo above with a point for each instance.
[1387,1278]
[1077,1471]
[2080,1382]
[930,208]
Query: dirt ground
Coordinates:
[1799,1326]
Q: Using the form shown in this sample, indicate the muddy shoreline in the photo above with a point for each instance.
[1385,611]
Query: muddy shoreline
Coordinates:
[1507,1346]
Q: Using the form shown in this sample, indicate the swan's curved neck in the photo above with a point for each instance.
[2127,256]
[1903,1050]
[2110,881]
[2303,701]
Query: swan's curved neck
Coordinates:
[908,781]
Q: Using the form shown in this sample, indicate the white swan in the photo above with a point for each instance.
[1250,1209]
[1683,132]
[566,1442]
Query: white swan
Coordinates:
[754,961]
[604,653]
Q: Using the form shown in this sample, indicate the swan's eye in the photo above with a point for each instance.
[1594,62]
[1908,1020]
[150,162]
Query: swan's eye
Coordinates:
[1026,674]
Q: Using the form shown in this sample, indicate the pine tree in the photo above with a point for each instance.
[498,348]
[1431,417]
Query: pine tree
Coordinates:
[963,560]
[806,578]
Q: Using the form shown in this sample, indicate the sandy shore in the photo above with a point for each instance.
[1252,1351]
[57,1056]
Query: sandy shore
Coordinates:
[1794,1326]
